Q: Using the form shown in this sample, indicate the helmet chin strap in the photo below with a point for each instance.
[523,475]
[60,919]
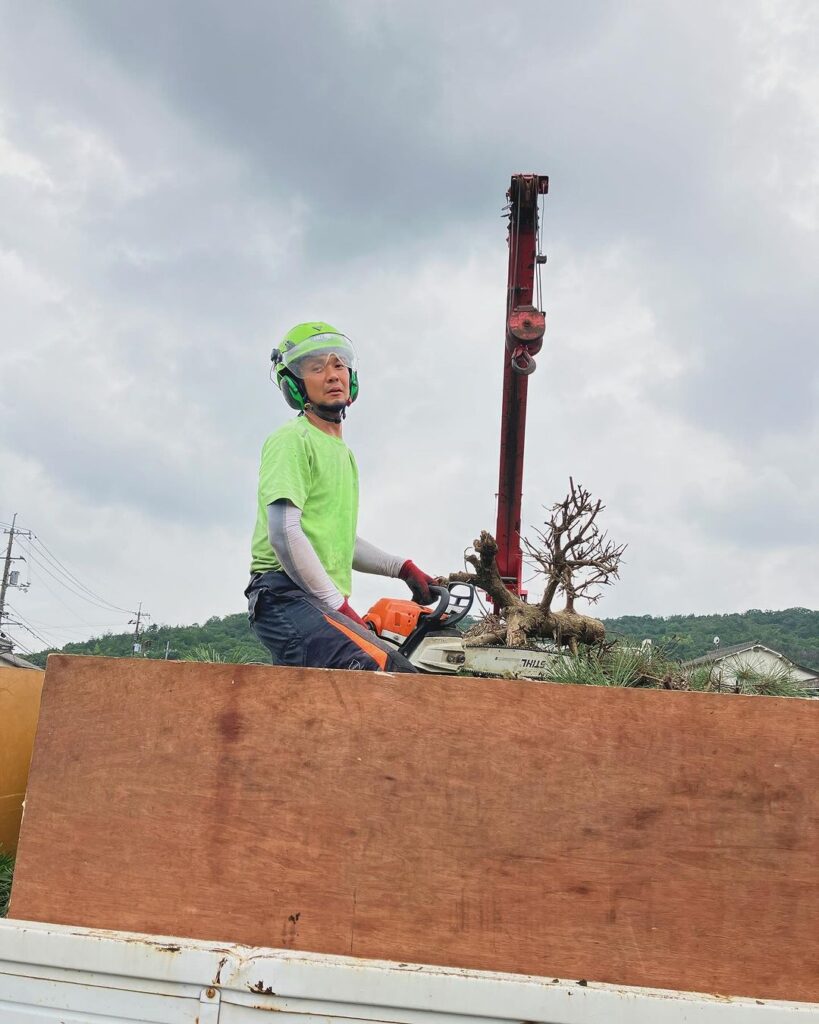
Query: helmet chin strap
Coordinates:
[330,413]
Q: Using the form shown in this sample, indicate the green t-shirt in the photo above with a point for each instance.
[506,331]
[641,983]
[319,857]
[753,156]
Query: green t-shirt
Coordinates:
[318,473]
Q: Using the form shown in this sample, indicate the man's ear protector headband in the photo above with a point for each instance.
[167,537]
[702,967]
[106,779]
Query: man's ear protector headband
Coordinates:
[293,390]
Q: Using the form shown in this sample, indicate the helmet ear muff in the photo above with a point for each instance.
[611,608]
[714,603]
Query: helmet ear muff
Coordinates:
[293,390]
[353,386]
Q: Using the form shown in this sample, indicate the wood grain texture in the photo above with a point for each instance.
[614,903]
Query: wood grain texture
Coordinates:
[20,690]
[634,837]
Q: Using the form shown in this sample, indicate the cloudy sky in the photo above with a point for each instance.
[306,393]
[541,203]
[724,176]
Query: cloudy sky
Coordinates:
[180,182]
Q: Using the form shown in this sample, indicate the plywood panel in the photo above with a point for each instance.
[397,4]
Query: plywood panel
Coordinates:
[19,705]
[642,838]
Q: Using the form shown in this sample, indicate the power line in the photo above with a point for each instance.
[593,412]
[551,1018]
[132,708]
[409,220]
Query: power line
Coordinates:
[86,625]
[49,561]
[70,582]
[61,627]
[22,646]
[57,597]
[45,636]
[20,621]
[46,568]
[43,562]
[71,576]
[41,639]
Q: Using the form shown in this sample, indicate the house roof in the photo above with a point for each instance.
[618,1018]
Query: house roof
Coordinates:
[720,653]
[10,660]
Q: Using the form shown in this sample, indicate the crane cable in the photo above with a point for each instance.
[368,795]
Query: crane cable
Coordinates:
[511,297]
[541,206]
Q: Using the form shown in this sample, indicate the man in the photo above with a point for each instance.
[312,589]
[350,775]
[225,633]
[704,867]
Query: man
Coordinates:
[305,544]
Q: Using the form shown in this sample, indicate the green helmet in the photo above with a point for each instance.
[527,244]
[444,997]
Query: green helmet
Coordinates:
[315,338]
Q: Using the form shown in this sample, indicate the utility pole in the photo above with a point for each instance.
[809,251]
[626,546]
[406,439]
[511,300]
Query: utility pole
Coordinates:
[5,641]
[135,623]
[6,566]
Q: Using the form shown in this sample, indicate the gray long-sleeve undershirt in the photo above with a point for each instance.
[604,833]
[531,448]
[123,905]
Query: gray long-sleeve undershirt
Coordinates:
[301,563]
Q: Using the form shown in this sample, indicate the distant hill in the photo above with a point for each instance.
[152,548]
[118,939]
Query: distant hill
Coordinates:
[230,637]
[794,632]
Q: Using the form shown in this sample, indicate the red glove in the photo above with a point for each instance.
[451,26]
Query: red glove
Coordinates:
[351,613]
[418,582]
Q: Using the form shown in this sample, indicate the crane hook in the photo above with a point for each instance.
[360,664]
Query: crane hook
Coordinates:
[523,363]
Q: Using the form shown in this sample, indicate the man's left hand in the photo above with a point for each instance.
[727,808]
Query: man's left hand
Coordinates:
[418,582]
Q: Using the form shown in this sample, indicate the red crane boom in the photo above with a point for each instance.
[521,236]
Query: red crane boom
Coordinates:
[525,326]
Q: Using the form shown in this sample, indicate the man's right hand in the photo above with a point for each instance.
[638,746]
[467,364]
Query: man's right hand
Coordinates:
[418,582]
[351,613]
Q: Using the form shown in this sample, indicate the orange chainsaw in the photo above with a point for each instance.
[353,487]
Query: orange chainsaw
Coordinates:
[428,637]
[406,625]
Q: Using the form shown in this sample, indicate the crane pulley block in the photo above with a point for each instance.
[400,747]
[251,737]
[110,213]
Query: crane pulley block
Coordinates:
[526,326]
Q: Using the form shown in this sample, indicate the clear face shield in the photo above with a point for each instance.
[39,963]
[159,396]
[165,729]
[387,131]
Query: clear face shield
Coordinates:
[312,357]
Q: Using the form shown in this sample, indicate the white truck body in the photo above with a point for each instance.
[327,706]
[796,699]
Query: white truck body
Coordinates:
[51,973]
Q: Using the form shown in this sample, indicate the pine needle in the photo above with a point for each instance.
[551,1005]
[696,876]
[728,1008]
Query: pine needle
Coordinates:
[6,873]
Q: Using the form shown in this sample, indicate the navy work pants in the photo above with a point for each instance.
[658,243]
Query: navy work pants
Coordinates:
[297,629]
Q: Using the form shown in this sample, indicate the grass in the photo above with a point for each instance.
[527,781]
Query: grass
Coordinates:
[620,664]
[652,667]
[615,666]
[747,681]
[207,652]
[6,872]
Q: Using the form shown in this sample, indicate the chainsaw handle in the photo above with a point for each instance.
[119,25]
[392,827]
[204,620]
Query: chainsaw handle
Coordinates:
[451,607]
[460,603]
[434,616]
[439,615]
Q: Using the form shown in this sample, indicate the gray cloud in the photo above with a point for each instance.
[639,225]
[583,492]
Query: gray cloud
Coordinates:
[175,190]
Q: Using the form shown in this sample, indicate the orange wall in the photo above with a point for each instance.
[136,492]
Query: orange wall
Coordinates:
[20,690]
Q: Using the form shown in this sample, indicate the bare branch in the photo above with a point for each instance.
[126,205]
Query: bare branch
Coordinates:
[573,555]
[486,575]
[572,552]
